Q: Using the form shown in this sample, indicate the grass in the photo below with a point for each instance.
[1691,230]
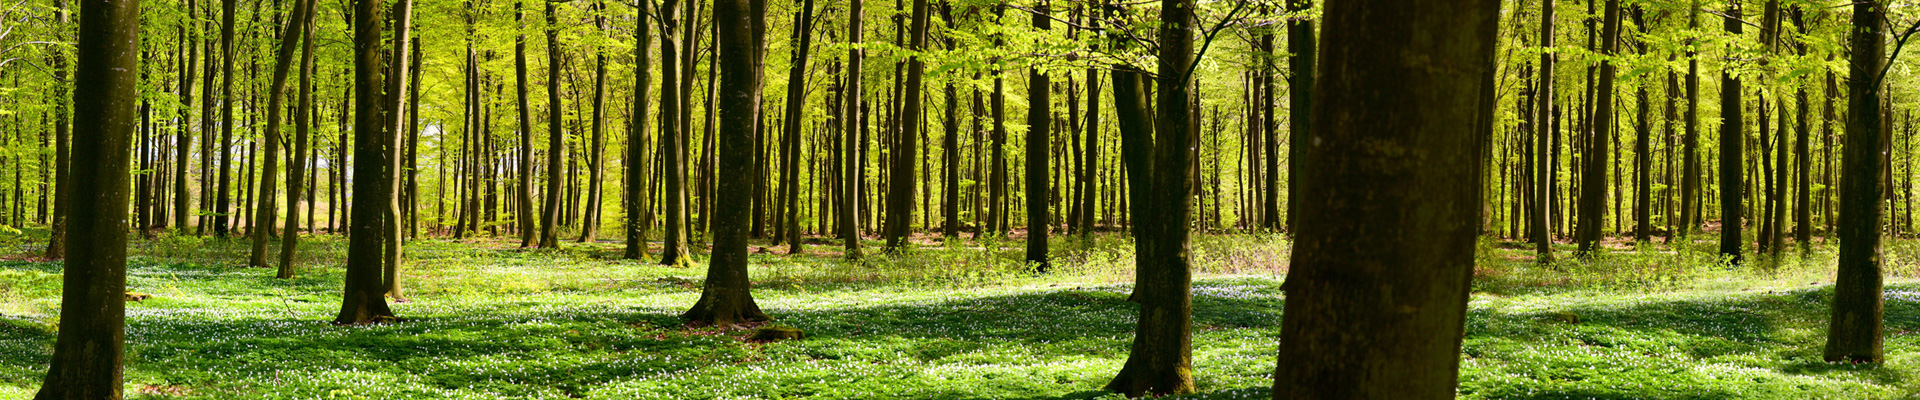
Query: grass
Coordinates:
[955,320]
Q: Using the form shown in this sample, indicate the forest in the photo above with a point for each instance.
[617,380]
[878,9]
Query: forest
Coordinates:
[958,199]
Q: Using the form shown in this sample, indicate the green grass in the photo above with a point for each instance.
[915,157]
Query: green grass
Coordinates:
[963,320]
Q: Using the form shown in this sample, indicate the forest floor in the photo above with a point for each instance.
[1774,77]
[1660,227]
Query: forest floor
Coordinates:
[488,321]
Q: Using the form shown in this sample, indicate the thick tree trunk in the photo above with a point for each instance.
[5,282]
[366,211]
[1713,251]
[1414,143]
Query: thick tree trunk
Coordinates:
[365,301]
[1854,332]
[87,352]
[1370,317]
[727,296]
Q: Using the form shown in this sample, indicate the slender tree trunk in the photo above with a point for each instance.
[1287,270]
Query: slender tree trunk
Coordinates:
[853,174]
[296,162]
[1393,332]
[1854,332]
[291,36]
[391,138]
[1690,164]
[796,99]
[1300,42]
[1039,114]
[638,187]
[672,138]
[523,182]
[556,138]
[1544,175]
[1731,135]
[63,165]
[87,352]
[1593,176]
[590,220]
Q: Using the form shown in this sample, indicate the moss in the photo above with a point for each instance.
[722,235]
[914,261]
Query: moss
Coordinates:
[775,333]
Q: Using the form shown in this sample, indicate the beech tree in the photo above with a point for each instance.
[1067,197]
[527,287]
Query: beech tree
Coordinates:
[1854,333]
[727,296]
[1368,315]
[87,351]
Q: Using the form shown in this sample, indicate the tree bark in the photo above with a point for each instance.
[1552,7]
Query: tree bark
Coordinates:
[291,36]
[1593,176]
[1039,127]
[365,301]
[1368,316]
[1732,130]
[1854,332]
[639,168]
[672,138]
[87,351]
[1161,359]
[556,138]
[855,110]
[296,162]
[727,296]
[523,182]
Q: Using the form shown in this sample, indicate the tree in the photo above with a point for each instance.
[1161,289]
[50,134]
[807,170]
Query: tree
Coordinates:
[672,140]
[590,220]
[639,215]
[1854,332]
[1593,175]
[1732,131]
[364,300]
[796,98]
[1368,315]
[390,141]
[906,147]
[87,352]
[1039,118]
[1300,42]
[727,296]
[290,38]
[63,171]
[850,182]
[221,206]
[1543,174]
[523,182]
[297,162]
[1161,358]
[556,138]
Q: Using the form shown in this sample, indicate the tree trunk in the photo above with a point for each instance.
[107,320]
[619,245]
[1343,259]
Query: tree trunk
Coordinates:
[390,138]
[639,188]
[365,301]
[796,100]
[1690,160]
[63,165]
[1368,316]
[291,36]
[1300,42]
[853,174]
[1731,135]
[1039,118]
[727,296]
[590,218]
[556,138]
[672,138]
[1543,172]
[296,162]
[523,182]
[1593,175]
[1854,332]
[87,352]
